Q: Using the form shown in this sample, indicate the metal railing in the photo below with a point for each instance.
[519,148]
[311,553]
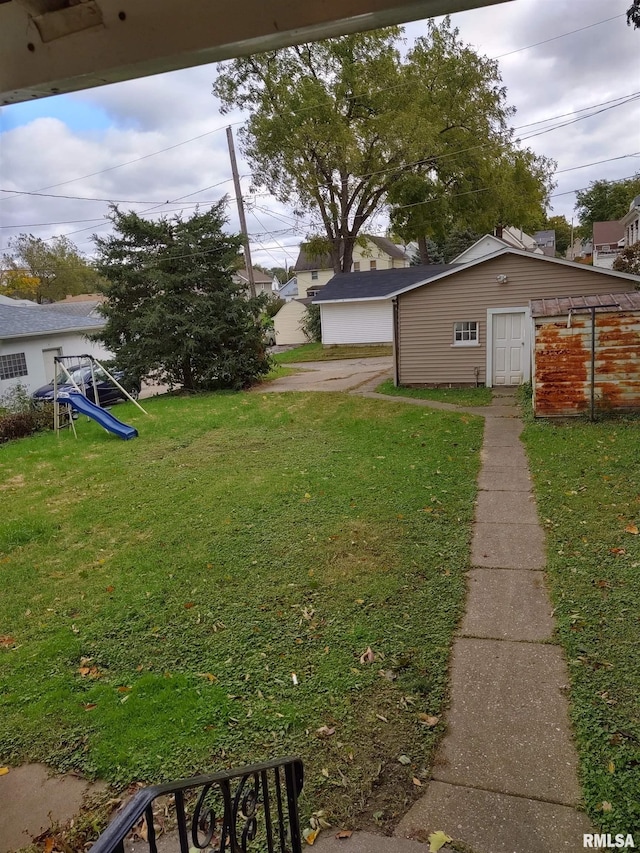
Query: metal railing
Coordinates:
[235,811]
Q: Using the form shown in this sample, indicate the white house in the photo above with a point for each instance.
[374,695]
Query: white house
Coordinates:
[31,336]
[631,223]
[512,238]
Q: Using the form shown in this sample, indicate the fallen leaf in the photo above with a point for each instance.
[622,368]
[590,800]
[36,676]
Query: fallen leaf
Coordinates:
[380,717]
[188,605]
[325,772]
[123,689]
[438,840]
[344,833]
[611,767]
[6,641]
[417,782]
[617,551]
[48,845]
[111,589]
[90,707]
[368,656]
[632,528]
[4,771]
[209,676]
[389,674]
[310,835]
[428,720]
[294,678]
[325,731]
[404,759]
[606,807]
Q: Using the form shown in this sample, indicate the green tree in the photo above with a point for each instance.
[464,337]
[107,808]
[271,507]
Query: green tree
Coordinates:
[604,201]
[629,260]
[173,311]
[562,228]
[457,242]
[633,14]
[46,271]
[335,125]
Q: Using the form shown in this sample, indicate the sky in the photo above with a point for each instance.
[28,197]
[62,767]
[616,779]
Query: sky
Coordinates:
[144,143]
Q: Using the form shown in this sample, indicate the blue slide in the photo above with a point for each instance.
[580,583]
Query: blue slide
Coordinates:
[80,403]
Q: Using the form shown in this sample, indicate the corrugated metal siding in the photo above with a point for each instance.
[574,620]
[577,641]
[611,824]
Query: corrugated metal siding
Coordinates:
[357,323]
[562,381]
[286,324]
[426,315]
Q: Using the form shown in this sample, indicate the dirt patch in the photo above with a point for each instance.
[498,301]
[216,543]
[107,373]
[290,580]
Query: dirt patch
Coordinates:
[16,482]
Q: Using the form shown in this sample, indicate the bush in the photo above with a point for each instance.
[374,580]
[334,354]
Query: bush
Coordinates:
[19,417]
[311,325]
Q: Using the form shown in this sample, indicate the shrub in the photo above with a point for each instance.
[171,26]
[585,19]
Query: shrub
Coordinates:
[311,325]
[19,417]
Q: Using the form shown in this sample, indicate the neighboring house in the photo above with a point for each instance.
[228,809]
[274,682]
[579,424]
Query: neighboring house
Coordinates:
[30,338]
[472,324]
[546,241]
[378,253]
[262,281]
[356,308]
[510,238]
[8,300]
[579,251]
[631,223]
[608,242]
[289,290]
[564,382]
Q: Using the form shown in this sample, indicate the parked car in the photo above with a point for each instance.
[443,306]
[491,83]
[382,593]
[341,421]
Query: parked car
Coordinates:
[108,393]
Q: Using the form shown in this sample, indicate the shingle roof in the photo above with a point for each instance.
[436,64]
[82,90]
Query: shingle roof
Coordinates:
[386,245]
[378,284]
[74,309]
[558,306]
[257,275]
[607,233]
[40,320]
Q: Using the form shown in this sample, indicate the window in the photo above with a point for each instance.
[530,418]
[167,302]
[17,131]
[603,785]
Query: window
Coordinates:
[465,333]
[372,265]
[356,266]
[13,365]
[314,275]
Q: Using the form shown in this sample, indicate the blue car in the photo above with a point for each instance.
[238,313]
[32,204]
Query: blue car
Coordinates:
[108,393]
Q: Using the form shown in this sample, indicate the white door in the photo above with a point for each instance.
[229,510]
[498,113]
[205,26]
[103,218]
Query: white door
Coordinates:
[509,353]
[49,364]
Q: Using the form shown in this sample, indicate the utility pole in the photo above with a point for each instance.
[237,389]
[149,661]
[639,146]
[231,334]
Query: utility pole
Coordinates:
[243,221]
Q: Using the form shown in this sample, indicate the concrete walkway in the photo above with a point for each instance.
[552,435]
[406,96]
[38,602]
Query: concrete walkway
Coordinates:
[504,778]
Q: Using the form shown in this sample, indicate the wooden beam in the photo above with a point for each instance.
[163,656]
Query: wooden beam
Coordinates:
[136,38]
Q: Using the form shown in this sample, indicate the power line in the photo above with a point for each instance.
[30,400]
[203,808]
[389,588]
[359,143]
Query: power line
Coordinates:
[561,36]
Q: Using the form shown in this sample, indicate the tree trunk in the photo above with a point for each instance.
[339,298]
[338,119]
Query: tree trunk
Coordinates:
[423,250]
[347,254]
[187,374]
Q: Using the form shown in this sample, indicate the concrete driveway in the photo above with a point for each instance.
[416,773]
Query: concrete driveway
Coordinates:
[340,375]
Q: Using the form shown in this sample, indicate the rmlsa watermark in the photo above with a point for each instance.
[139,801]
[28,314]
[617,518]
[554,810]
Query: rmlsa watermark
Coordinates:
[606,841]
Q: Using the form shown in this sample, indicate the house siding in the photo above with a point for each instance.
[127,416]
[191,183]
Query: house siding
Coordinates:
[426,315]
[357,323]
[286,324]
[71,343]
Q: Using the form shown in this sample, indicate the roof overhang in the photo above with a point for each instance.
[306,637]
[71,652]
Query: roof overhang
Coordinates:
[85,330]
[52,46]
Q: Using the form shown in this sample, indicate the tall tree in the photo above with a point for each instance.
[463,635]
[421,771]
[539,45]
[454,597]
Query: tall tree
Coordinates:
[173,311]
[562,228]
[604,201]
[335,125]
[46,271]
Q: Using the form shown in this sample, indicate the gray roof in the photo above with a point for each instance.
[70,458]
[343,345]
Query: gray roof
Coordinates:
[40,320]
[74,309]
[558,306]
[378,284]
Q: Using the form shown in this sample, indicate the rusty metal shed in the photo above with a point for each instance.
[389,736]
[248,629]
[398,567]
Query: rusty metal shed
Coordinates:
[586,354]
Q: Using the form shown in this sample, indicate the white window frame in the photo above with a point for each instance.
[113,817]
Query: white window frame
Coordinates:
[471,342]
[314,275]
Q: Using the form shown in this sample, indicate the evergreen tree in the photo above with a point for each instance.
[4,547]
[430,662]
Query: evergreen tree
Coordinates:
[173,311]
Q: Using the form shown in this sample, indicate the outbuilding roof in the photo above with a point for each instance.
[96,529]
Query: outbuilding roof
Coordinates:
[21,322]
[561,305]
[378,284]
[384,284]
[607,233]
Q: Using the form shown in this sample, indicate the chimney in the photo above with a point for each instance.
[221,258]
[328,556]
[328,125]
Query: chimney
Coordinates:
[499,231]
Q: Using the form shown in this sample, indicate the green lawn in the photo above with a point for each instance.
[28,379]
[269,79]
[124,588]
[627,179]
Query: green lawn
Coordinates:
[588,489]
[160,594]
[318,352]
[457,396]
